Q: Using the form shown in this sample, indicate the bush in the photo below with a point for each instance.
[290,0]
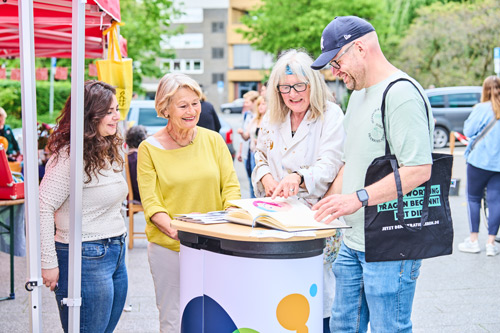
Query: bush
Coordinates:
[10,99]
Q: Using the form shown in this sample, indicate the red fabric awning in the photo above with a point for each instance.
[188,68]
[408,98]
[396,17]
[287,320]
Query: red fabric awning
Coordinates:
[52,23]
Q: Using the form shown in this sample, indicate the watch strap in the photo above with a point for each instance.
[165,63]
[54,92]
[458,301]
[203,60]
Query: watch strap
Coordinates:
[301,177]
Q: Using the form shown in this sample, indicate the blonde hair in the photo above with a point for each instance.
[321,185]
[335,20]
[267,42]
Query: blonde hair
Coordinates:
[491,92]
[259,101]
[168,87]
[252,95]
[3,113]
[299,62]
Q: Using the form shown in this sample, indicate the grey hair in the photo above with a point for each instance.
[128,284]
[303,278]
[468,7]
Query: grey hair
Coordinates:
[299,62]
[168,86]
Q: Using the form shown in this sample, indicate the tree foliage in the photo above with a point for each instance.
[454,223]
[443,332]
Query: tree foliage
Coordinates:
[147,23]
[280,25]
[451,44]
[277,25]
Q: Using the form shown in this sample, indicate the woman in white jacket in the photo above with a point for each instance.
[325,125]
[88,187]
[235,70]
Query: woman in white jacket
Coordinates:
[300,143]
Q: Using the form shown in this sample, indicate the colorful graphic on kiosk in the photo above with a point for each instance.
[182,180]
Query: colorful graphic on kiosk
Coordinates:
[292,313]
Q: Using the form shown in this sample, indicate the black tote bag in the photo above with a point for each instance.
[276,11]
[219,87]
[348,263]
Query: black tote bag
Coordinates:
[417,225]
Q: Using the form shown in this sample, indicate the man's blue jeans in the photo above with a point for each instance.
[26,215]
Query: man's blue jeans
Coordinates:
[104,284]
[380,293]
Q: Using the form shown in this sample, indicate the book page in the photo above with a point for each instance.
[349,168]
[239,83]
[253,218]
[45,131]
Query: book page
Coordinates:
[285,214]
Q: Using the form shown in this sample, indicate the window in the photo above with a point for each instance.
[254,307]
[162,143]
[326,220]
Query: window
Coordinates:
[463,100]
[188,66]
[185,41]
[218,27]
[242,56]
[189,15]
[149,117]
[437,101]
[217,53]
[246,57]
[216,77]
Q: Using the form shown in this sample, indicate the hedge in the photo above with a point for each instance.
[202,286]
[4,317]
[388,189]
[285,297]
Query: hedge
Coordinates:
[10,98]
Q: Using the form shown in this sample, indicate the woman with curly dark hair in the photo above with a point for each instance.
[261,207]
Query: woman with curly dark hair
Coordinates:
[104,275]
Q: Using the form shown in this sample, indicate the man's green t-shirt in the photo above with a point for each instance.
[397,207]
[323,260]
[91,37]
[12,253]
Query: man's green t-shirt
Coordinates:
[408,132]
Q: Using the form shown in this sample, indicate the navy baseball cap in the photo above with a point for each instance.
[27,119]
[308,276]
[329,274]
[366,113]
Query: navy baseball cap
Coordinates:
[341,31]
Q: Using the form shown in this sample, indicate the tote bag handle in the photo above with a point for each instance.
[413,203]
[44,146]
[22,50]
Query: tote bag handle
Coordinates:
[395,166]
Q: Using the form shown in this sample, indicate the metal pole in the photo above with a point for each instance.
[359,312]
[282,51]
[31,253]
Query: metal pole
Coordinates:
[53,62]
[28,102]
[74,299]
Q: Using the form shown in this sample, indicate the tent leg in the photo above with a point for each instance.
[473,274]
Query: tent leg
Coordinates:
[28,102]
[76,169]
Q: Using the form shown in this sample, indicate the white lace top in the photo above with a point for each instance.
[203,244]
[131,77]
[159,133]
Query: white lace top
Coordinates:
[101,207]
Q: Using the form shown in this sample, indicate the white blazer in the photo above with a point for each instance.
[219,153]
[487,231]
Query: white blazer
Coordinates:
[315,151]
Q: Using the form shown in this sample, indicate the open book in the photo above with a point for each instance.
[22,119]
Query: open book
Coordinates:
[282,214]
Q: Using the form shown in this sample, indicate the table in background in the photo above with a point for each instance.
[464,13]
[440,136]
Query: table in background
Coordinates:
[9,205]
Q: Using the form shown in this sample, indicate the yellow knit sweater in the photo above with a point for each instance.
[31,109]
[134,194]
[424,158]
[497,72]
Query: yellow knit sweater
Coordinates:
[197,178]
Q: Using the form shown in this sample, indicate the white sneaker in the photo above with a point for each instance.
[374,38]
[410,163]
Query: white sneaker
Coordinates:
[469,246]
[491,250]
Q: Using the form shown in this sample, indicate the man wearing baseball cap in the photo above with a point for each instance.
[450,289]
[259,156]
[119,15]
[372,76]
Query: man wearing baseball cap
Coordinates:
[379,293]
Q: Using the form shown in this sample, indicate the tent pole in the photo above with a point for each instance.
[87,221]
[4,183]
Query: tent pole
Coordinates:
[74,299]
[28,102]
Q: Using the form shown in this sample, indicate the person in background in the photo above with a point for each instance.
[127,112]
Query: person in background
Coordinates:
[263,89]
[252,130]
[255,126]
[13,149]
[208,117]
[135,135]
[483,167]
[104,275]
[376,293]
[183,168]
[300,145]
[244,155]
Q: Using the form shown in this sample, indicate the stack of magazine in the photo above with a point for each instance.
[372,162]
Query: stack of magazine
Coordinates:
[281,214]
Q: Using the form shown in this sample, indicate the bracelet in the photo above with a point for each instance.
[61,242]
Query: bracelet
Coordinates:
[301,177]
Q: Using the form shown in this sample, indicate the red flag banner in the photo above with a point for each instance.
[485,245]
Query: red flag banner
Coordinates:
[42,74]
[3,73]
[92,70]
[15,74]
[61,73]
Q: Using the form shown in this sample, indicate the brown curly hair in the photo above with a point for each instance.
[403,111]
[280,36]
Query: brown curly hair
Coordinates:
[98,150]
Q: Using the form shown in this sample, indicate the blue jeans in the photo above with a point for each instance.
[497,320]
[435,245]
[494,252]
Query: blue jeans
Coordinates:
[380,293]
[477,180]
[104,284]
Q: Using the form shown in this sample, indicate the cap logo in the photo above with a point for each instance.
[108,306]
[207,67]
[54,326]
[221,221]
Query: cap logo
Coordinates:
[347,37]
[322,46]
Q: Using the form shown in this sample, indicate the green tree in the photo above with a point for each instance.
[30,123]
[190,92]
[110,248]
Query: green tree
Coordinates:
[451,44]
[146,26]
[400,15]
[279,25]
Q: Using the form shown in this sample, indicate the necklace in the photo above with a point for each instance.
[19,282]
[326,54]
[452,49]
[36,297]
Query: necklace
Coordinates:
[189,143]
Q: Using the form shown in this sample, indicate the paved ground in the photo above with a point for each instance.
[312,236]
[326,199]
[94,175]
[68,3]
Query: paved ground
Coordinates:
[456,293]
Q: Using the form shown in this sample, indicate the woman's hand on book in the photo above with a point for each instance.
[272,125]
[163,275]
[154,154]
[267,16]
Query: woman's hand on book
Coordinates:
[269,184]
[288,186]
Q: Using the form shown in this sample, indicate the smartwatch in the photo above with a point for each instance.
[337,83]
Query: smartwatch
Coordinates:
[363,197]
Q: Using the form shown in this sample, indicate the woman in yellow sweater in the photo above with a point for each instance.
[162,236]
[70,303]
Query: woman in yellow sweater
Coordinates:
[182,168]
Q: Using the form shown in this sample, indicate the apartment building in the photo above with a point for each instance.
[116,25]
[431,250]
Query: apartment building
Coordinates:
[247,67]
[201,51]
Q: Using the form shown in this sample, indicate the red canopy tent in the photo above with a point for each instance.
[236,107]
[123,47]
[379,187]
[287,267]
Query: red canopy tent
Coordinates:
[52,27]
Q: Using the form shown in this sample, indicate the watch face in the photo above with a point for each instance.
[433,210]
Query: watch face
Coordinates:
[362,195]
